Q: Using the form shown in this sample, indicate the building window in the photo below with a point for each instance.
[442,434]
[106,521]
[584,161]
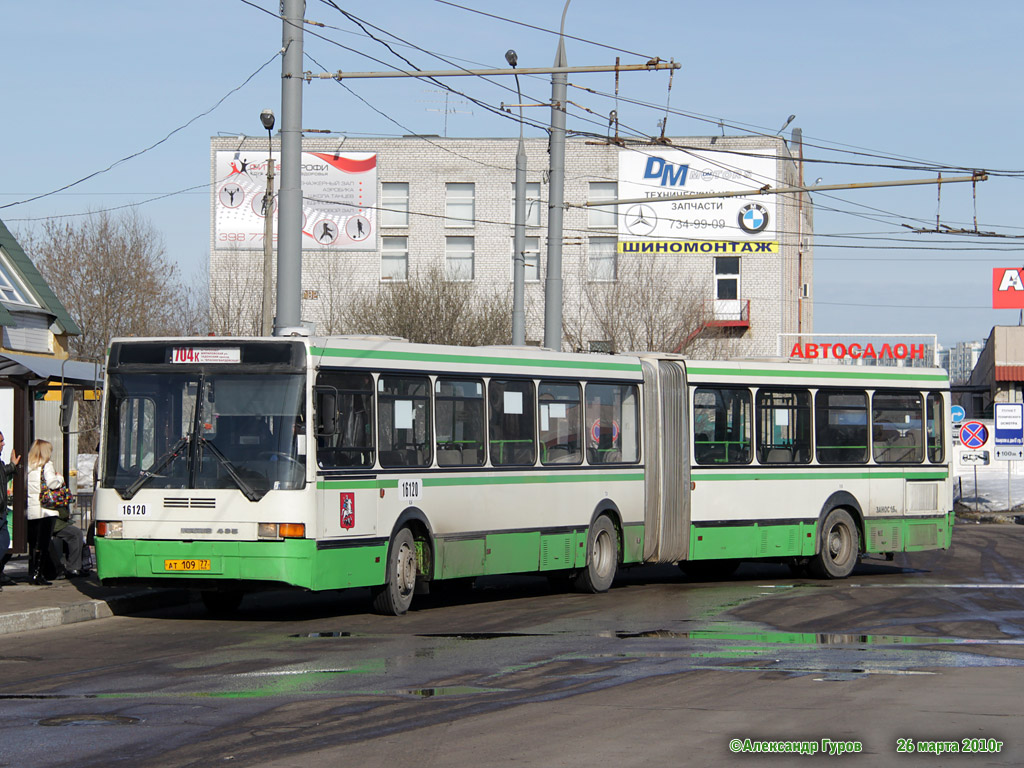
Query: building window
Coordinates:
[394,258]
[605,217]
[532,256]
[458,258]
[394,204]
[533,204]
[459,205]
[603,262]
[10,289]
[727,278]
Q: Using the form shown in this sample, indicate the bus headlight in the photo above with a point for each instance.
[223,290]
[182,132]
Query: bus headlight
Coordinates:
[281,531]
[110,529]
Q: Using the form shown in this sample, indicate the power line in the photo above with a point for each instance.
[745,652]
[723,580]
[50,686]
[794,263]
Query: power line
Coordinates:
[132,156]
[542,29]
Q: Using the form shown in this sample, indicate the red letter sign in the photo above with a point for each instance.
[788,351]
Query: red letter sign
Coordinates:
[1007,288]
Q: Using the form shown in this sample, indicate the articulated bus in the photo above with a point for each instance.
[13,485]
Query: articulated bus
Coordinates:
[230,465]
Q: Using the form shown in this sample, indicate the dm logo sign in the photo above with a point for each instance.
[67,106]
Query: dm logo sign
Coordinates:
[753,218]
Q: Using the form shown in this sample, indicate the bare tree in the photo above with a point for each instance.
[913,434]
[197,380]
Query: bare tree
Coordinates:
[236,294]
[648,307]
[113,276]
[430,309]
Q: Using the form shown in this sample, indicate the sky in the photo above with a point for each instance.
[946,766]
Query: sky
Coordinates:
[127,93]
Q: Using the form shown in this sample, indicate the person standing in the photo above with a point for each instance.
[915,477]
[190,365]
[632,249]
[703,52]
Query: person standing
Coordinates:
[40,519]
[6,471]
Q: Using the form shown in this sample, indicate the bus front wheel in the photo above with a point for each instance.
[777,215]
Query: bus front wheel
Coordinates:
[838,548]
[602,558]
[395,596]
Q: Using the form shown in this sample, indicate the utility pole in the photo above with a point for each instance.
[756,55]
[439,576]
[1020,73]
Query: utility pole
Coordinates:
[289,240]
[556,199]
[560,72]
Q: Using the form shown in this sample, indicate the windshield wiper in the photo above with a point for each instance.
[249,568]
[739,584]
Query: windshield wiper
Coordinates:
[149,474]
[250,493]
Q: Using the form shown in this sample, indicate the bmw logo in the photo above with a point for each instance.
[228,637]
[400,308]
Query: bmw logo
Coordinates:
[753,218]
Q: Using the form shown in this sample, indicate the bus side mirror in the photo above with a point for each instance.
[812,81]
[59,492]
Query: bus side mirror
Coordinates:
[326,412]
[67,408]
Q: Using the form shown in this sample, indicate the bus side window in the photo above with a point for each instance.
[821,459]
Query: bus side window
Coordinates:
[841,426]
[896,418]
[560,423]
[403,421]
[612,424]
[783,426]
[513,436]
[344,413]
[721,425]
[936,425]
[459,419]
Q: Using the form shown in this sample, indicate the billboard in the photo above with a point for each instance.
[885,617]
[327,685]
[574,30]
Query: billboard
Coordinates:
[655,173]
[1007,288]
[339,200]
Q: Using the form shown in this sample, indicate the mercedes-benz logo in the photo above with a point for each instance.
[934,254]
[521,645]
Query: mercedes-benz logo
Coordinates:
[641,220]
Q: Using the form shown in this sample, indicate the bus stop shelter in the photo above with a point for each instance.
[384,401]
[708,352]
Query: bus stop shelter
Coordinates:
[31,377]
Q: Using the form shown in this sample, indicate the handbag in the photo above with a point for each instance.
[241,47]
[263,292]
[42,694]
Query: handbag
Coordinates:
[55,498]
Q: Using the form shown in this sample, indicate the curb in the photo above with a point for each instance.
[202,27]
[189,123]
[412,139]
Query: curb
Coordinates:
[87,610]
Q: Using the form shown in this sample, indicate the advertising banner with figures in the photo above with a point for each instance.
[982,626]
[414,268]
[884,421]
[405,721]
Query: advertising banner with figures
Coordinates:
[655,173]
[339,205]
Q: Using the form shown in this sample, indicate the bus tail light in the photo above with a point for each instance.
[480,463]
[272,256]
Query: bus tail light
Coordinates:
[110,530]
[281,531]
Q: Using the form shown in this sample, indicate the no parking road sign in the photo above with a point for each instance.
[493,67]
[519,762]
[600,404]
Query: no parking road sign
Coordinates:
[973,434]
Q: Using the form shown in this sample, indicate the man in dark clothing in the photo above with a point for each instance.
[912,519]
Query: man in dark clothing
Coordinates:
[6,471]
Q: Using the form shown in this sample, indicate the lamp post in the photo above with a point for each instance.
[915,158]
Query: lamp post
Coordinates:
[267,318]
[519,240]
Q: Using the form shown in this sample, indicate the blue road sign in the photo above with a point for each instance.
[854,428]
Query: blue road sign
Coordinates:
[1009,423]
[973,434]
[958,413]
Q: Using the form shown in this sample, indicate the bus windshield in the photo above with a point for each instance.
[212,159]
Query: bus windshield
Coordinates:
[204,430]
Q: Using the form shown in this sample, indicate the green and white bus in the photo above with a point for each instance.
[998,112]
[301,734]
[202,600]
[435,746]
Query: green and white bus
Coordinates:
[324,463]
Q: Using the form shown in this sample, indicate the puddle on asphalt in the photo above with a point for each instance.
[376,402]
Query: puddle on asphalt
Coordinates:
[84,719]
[452,690]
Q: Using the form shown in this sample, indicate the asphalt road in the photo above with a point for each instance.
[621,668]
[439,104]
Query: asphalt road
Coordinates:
[924,653]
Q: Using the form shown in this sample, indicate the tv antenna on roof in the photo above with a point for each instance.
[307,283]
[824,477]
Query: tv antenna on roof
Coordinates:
[449,106]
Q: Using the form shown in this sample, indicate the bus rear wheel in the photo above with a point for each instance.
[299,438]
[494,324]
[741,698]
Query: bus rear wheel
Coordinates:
[838,548]
[395,596]
[602,558]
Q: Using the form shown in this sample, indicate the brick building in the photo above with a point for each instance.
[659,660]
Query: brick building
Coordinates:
[739,270]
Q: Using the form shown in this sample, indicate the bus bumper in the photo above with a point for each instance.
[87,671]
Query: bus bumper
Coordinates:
[292,562]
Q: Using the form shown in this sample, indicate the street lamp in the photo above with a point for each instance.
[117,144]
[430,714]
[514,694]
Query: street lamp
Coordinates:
[267,319]
[519,240]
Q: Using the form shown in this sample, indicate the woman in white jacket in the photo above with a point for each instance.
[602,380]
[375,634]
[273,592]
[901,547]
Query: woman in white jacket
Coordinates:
[40,519]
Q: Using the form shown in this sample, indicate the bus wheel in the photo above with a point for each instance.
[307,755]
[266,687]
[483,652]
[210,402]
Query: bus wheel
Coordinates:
[395,597]
[602,558]
[838,547]
[222,603]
